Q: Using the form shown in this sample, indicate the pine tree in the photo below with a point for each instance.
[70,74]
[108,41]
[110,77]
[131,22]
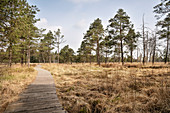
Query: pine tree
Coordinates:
[131,41]
[66,54]
[96,32]
[107,46]
[162,10]
[118,27]
[17,20]
[89,41]
[164,33]
[49,42]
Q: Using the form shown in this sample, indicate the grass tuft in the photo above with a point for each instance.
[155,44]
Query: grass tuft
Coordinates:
[13,81]
[112,88]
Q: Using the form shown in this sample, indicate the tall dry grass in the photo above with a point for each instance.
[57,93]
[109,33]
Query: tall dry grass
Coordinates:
[111,88]
[13,81]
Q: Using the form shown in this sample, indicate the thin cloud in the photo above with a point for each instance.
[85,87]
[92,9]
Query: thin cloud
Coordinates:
[81,24]
[43,23]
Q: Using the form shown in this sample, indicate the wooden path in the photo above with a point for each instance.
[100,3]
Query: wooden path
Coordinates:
[39,97]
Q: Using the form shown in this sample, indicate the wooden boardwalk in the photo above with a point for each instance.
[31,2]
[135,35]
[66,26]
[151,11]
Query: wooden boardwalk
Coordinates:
[39,97]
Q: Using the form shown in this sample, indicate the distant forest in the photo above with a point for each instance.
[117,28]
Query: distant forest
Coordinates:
[22,42]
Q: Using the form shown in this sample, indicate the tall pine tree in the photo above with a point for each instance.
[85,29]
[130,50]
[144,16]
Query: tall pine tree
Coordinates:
[118,27]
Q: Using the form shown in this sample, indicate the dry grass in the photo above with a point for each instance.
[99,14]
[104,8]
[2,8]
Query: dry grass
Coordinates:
[13,81]
[111,88]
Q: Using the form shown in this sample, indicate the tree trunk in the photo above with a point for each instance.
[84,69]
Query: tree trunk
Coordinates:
[150,56]
[122,52]
[87,58]
[58,57]
[22,60]
[121,44]
[90,57]
[22,56]
[143,41]
[154,49]
[137,54]
[166,57]
[131,54]
[10,55]
[43,58]
[25,55]
[147,52]
[39,60]
[106,58]
[98,54]
[119,54]
[49,58]
[54,58]
[28,56]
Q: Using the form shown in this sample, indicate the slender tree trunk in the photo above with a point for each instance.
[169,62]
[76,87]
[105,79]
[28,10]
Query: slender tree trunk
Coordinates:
[166,57]
[49,53]
[28,56]
[122,52]
[119,54]
[39,60]
[131,54]
[121,45]
[22,55]
[50,58]
[25,56]
[58,47]
[143,41]
[106,58]
[147,52]
[150,51]
[10,55]
[154,49]
[71,60]
[98,54]
[90,57]
[58,57]
[150,56]
[54,58]
[43,58]
[137,54]
[86,58]
[22,60]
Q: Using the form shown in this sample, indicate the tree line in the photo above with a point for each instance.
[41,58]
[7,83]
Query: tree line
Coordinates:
[120,38]
[22,42]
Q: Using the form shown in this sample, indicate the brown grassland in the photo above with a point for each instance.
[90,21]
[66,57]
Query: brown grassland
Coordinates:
[13,81]
[111,88]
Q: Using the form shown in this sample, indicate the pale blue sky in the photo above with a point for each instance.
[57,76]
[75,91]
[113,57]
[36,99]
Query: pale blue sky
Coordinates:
[74,16]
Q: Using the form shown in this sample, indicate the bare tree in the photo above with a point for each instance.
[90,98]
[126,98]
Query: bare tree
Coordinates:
[147,46]
[59,39]
[143,33]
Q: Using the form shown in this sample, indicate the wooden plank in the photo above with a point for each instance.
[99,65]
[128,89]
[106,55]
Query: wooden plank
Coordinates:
[39,97]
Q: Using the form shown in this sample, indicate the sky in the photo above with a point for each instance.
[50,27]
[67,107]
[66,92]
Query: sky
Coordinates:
[74,17]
